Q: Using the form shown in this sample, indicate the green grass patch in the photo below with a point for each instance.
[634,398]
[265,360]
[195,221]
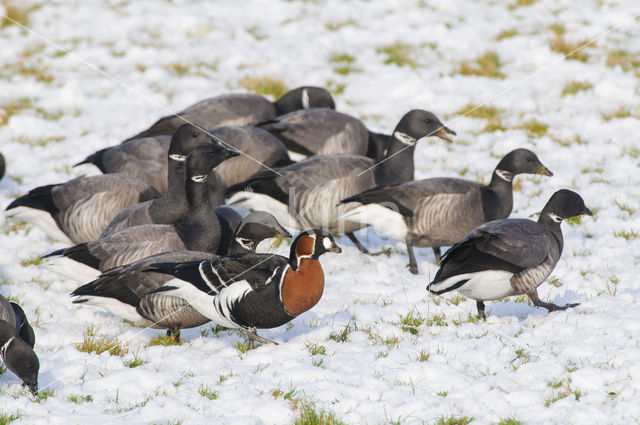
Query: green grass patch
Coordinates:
[265,86]
[623,207]
[423,356]
[99,344]
[437,320]
[509,421]
[7,418]
[342,63]
[534,128]
[454,420]
[335,87]
[398,53]
[625,60]
[79,398]
[206,392]
[343,335]
[485,112]
[521,3]
[165,341]
[42,396]
[506,34]
[309,414]
[621,112]
[574,87]
[557,29]
[488,65]
[335,26]
[34,261]
[12,108]
[571,51]
[411,321]
[316,349]
[626,234]
[16,13]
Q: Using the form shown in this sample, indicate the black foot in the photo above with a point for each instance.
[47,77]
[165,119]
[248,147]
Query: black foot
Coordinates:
[174,333]
[480,306]
[437,254]
[357,243]
[549,306]
[253,336]
[413,268]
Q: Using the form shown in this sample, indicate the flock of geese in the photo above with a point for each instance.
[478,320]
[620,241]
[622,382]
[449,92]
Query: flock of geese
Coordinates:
[156,244]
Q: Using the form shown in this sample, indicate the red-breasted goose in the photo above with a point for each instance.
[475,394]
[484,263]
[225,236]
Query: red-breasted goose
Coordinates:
[440,211]
[510,256]
[123,290]
[16,344]
[239,109]
[197,230]
[305,194]
[253,291]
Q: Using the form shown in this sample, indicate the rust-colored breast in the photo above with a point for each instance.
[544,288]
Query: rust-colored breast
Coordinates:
[302,290]
[304,246]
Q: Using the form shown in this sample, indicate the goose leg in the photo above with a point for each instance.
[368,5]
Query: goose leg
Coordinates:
[253,336]
[362,248]
[437,254]
[533,295]
[480,306]
[175,333]
[413,264]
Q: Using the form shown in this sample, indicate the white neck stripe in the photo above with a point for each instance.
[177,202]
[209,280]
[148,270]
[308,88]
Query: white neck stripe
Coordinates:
[179,158]
[555,217]
[199,179]
[305,99]
[505,175]
[4,348]
[404,138]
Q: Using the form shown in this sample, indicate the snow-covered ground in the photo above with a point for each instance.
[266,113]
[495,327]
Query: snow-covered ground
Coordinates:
[88,74]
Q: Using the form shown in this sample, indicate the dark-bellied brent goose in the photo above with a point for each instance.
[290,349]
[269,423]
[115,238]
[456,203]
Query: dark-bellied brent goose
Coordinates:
[305,194]
[508,257]
[253,291]
[124,290]
[198,230]
[438,212]
[16,344]
[239,109]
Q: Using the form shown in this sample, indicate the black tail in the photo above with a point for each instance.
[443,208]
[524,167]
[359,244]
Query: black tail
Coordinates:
[39,198]
[97,159]
[261,182]
[79,253]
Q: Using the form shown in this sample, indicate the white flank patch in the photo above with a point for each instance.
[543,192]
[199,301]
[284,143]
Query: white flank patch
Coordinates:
[485,285]
[71,269]
[39,218]
[260,202]
[111,305]
[305,99]
[297,157]
[383,219]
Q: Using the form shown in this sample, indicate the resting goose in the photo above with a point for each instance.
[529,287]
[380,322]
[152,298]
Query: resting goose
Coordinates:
[123,290]
[16,344]
[305,194]
[253,291]
[173,204]
[198,230]
[147,158]
[323,131]
[440,211]
[78,210]
[510,256]
[239,109]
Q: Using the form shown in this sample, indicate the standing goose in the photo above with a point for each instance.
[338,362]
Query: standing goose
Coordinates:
[253,291]
[16,341]
[323,131]
[510,256]
[440,211]
[146,158]
[198,230]
[123,290]
[305,194]
[239,109]
[78,210]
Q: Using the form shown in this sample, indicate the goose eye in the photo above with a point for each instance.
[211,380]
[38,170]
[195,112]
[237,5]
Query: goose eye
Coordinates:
[529,159]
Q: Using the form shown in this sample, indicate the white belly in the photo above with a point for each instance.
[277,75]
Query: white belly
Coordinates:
[483,286]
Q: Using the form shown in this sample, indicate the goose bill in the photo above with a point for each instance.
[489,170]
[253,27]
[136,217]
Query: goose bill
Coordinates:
[443,133]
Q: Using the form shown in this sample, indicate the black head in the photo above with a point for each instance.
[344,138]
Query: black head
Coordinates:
[204,158]
[521,161]
[258,226]
[304,98]
[419,123]
[19,358]
[562,205]
[312,244]
[186,138]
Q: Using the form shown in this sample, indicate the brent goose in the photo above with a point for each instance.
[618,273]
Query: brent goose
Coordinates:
[146,158]
[508,257]
[173,204]
[323,131]
[198,230]
[253,291]
[239,109]
[440,211]
[123,290]
[305,194]
[77,211]
[16,344]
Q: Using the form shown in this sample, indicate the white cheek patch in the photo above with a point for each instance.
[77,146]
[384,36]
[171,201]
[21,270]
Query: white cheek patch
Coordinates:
[199,179]
[305,99]
[179,158]
[404,138]
[555,217]
[327,243]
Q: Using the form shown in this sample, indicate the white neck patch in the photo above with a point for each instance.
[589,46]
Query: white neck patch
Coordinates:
[245,243]
[179,158]
[555,217]
[505,175]
[199,179]
[6,345]
[404,138]
[305,99]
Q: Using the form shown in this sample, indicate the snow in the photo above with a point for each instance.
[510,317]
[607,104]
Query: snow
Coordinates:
[120,71]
